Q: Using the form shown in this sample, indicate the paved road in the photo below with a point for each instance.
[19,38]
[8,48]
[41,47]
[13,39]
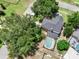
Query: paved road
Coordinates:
[3,52]
[68,6]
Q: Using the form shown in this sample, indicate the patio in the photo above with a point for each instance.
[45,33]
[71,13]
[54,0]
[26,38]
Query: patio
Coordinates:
[43,53]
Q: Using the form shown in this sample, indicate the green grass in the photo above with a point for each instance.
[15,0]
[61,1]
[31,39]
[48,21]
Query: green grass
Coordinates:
[18,8]
[69,1]
[65,13]
[76,2]
[12,1]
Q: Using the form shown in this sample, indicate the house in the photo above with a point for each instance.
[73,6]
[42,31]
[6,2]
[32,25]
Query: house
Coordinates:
[71,54]
[53,26]
[74,40]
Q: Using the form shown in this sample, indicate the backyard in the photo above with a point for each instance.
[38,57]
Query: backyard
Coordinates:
[15,6]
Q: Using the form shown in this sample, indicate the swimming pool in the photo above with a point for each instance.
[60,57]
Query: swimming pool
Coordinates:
[49,43]
[77,47]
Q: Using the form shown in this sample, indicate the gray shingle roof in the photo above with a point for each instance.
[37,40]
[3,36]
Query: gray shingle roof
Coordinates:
[58,24]
[76,34]
[47,24]
[52,34]
[55,24]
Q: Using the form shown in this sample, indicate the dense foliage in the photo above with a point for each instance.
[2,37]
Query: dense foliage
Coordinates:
[68,30]
[62,45]
[73,20]
[73,23]
[45,7]
[21,34]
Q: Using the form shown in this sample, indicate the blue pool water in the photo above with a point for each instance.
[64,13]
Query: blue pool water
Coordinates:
[77,47]
[48,42]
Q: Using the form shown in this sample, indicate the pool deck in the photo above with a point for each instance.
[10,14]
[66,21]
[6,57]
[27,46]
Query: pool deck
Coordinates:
[41,51]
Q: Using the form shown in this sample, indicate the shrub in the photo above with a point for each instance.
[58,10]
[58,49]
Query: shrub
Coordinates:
[68,30]
[62,45]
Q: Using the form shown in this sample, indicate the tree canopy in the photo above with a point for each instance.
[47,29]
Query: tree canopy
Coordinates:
[21,34]
[62,45]
[68,30]
[73,20]
[73,23]
[45,7]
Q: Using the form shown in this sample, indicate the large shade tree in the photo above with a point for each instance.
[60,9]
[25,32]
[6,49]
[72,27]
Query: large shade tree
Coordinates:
[45,7]
[21,34]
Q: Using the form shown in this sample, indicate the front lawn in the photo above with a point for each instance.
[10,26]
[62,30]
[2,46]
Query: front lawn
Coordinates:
[69,1]
[65,13]
[76,2]
[18,8]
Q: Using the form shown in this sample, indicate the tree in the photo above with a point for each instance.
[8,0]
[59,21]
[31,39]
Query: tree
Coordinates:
[38,18]
[45,7]
[62,45]
[22,34]
[68,30]
[73,23]
[73,20]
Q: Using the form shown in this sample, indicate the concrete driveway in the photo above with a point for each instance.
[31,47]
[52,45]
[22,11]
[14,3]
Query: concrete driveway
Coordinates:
[4,52]
[29,10]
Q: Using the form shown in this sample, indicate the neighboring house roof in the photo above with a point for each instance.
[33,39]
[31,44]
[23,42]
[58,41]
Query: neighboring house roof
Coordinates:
[54,24]
[71,54]
[76,34]
[74,43]
[74,40]
[52,34]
